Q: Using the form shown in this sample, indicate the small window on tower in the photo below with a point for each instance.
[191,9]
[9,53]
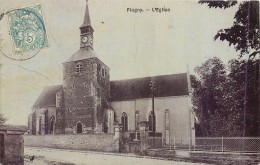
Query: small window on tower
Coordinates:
[57,99]
[103,72]
[79,67]
[92,89]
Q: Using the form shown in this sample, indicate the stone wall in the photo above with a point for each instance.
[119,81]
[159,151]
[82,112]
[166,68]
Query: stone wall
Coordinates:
[14,148]
[225,158]
[93,142]
[154,142]
[12,144]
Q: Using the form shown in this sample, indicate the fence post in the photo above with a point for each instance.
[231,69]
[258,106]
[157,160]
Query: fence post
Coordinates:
[174,142]
[170,144]
[194,144]
[189,144]
[222,145]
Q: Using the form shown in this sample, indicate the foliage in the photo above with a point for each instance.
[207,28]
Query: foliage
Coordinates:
[244,79]
[219,98]
[244,34]
[2,119]
[208,95]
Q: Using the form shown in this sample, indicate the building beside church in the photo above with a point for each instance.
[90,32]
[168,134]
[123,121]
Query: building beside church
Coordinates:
[89,102]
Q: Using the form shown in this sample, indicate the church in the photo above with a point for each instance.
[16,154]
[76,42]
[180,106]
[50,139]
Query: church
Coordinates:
[88,102]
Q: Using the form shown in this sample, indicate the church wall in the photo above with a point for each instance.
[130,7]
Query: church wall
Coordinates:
[29,127]
[45,114]
[110,120]
[59,123]
[102,95]
[103,79]
[178,114]
[60,114]
[51,113]
[40,116]
[33,131]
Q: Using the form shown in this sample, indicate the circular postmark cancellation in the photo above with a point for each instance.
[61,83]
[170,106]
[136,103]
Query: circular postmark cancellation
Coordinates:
[27,32]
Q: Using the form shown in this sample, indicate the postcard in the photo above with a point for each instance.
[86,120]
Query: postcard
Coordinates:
[126,82]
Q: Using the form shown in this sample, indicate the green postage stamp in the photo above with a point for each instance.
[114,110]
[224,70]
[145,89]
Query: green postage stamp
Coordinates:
[27,29]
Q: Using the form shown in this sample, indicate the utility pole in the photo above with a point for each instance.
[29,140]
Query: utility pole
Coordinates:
[136,124]
[189,107]
[153,114]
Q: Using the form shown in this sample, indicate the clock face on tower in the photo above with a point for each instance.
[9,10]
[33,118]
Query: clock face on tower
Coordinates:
[84,39]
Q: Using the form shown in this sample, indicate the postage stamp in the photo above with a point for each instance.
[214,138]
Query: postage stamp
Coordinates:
[27,29]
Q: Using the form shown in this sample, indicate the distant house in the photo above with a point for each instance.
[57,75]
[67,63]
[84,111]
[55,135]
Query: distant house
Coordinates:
[88,102]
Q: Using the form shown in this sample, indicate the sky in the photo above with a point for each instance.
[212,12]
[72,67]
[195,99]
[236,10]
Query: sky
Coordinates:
[131,44]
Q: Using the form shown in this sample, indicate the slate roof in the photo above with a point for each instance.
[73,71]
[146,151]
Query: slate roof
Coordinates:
[165,85]
[120,90]
[47,97]
[82,54]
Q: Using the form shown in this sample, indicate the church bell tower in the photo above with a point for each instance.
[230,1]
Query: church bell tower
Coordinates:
[86,31]
[86,86]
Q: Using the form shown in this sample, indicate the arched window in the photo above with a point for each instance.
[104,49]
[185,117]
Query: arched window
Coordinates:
[103,72]
[136,120]
[52,125]
[79,127]
[40,125]
[167,120]
[124,121]
[105,128]
[152,121]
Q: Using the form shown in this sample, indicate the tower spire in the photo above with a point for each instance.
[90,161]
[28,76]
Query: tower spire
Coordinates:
[86,21]
[86,31]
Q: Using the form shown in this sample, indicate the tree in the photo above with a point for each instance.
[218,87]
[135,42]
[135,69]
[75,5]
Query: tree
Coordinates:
[2,119]
[219,98]
[208,96]
[244,34]
[239,108]
[245,107]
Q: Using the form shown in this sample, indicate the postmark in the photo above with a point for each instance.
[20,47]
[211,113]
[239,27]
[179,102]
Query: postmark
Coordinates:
[27,32]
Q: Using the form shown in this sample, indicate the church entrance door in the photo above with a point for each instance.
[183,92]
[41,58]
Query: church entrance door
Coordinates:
[79,128]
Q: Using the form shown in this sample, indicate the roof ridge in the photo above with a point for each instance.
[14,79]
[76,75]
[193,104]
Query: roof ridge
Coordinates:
[82,54]
[52,85]
[148,77]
